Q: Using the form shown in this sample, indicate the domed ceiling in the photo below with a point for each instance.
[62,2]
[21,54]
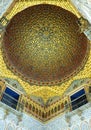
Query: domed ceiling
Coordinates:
[43,45]
[36,89]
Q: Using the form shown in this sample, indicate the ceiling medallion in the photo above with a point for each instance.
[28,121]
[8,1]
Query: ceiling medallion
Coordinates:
[44,46]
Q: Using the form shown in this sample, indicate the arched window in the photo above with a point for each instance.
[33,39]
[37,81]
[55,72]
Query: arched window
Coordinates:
[66,105]
[36,111]
[39,112]
[89,89]
[26,105]
[43,115]
[46,115]
[0,87]
[59,107]
[51,111]
[33,108]
[55,109]
[23,103]
[62,106]
[30,107]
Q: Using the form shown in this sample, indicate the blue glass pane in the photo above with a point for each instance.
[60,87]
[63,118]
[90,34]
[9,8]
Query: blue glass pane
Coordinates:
[78,94]
[12,93]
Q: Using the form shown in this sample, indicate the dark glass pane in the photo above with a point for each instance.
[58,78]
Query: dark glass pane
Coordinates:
[79,102]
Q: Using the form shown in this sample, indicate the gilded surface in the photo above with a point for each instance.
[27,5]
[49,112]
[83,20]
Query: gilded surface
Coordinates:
[40,44]
[86,72]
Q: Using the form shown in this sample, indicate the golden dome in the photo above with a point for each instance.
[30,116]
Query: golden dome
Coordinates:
[43,45]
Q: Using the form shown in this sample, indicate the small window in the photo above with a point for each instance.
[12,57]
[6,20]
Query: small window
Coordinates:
[62,106]
[39,112]
[66,105]
[26,105]
[78,99]
[52,111]
[43,115]
[33,109]
[55,109]
[90,89]
[10,98]
[46,115]
[59,107]
[49,113]
[30,107]
[0,88]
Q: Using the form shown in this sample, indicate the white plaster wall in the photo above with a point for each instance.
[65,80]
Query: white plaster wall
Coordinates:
[4,4]
[76,122]
[84,7]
